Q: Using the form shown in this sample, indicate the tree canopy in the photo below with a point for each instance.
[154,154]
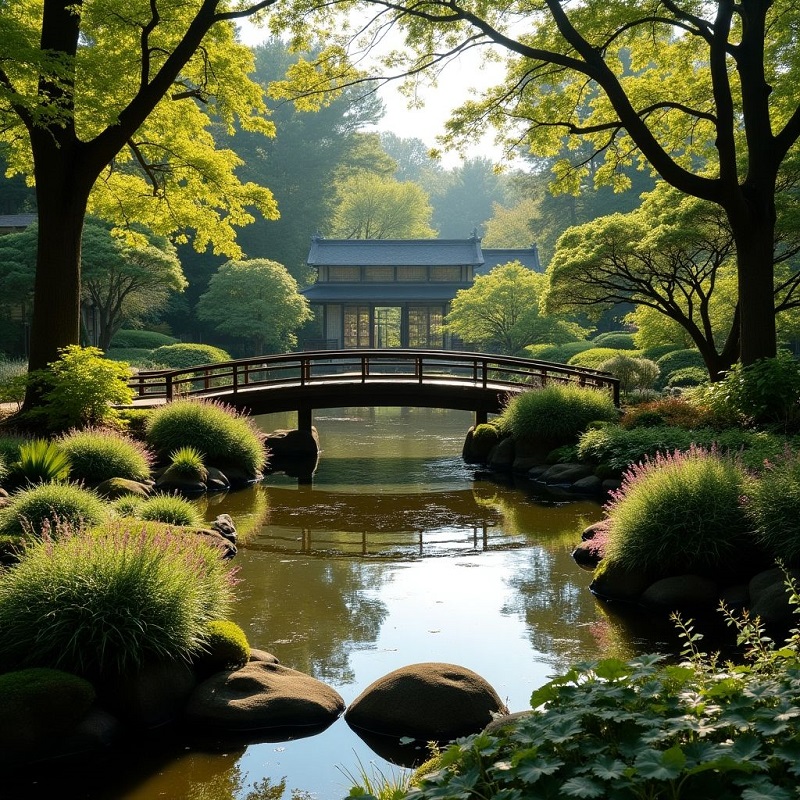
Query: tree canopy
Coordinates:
[500,312]
[374,207]
[705,93]
[106,105]
[256,301]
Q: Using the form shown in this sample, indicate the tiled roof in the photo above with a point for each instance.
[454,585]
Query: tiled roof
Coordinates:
[493,256]
[396,252]
[16,220]
[382,292]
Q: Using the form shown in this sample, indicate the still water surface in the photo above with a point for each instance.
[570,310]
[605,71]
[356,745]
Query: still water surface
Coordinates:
[397,553]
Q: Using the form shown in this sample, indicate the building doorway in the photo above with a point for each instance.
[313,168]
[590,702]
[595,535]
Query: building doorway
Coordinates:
[387,327]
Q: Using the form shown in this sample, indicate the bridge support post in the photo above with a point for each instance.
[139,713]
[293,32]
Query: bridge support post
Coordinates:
[304,421]
[481,418]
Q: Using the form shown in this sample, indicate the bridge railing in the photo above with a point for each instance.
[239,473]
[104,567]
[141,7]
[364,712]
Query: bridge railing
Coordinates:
[364,366]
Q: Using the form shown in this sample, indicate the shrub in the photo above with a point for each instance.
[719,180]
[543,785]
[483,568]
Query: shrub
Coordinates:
[170,509]
[39,703]
[223,436]
[144,340]
[556,412]
[679,359]
[42,507]
[39,460]
[134,421]
[657,350]
[618,340]
[677,513]
[638,729]
[13,381]
[559,353]
[688,376]
[98,454]
[184,355]
[188,462]
[772,502]
[593,358]
[225,647]
[125,594]
[133,356]
[764,393]
[633,373]
[619,447]
[676,411]
[128,505]
[80,388]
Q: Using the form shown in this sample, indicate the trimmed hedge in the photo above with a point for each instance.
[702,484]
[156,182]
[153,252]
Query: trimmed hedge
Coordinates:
[185,355]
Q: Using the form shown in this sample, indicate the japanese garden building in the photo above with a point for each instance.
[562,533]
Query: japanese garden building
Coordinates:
[393,292]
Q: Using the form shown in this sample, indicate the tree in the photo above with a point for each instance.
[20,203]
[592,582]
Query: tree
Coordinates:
[107,105]
[257,301]
[124,282]
[671,255]
[705,93]
[375,207]
[500,312]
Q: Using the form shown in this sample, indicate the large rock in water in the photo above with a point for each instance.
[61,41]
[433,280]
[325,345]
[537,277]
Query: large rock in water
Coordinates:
[262,695]
[429,701]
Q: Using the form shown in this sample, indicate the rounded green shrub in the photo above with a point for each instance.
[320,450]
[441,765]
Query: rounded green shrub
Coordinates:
[558,412]
[143,340]
[657,350]
[171,509]
[558,353]
[39,703]
[99,603]
[224,437]
[619,340]
[679,359]
[688,376]
[185,355]
[97,454]
[633,373]
[48,505]
[595,356]
[225,647]
[677,513]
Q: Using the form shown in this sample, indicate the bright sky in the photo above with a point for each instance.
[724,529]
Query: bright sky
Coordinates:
[455,85]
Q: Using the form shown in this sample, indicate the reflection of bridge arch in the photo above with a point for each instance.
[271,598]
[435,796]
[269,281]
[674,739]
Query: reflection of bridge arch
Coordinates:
[337,378]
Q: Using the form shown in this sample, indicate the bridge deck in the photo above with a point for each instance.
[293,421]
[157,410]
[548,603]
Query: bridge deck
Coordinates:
[334,378]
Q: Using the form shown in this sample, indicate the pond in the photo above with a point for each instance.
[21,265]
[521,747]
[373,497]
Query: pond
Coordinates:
[396,553]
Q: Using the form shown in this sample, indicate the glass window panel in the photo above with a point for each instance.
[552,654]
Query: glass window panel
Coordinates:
[356,326]
[446,274]
[344,274]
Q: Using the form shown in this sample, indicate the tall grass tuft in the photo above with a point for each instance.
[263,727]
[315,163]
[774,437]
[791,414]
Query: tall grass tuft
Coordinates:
[171,509]
[188,462]
[218,432]
[99,603]
[98,454]
[556,412]
[677,513]
[772,503]
[39,461]
[39,508]
[128,505]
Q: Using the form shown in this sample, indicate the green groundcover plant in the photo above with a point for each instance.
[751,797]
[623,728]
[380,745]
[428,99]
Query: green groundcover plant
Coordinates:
[640,730]
[556,412]
[677,513]
[98,602]
[171,509]
[218,432]
[97,454]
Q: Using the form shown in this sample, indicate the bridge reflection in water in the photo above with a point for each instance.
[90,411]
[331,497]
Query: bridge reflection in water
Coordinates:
[306,381]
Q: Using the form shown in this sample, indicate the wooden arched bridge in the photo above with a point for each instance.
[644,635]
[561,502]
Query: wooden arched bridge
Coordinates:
[338,378]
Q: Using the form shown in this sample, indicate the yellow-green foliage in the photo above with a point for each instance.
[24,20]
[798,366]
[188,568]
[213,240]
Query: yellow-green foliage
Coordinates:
[225,646]
[37,703]
[595,356]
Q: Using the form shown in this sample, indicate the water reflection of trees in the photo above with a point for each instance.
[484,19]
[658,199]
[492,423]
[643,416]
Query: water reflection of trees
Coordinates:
[310,612]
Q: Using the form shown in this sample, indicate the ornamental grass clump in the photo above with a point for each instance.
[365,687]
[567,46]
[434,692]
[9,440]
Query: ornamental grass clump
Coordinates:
[39,508]
[171,509]
[39,461]
[98,454]
[678,513]
[188,463]
[556,412]
[222,435]
[99,603]
[772,503]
